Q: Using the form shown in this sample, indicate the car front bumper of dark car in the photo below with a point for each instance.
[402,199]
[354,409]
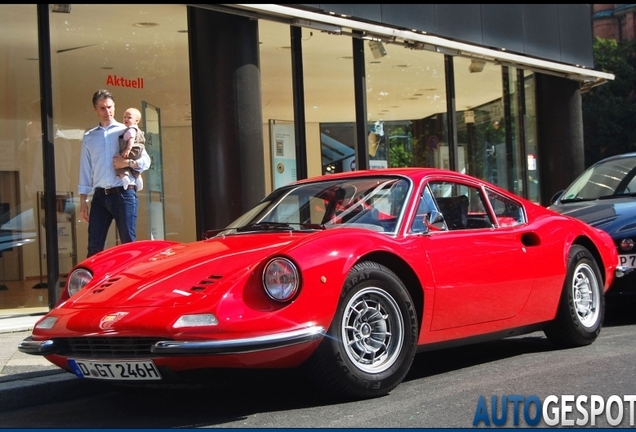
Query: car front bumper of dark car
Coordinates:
[624,285]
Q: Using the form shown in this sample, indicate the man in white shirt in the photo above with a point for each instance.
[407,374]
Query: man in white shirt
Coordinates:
[99,158]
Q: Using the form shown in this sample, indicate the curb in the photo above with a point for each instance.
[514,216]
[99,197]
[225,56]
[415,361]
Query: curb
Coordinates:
[16,329]
[19,323]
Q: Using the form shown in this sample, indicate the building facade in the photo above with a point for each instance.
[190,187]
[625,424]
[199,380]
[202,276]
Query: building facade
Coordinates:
[614,21]
[239,99]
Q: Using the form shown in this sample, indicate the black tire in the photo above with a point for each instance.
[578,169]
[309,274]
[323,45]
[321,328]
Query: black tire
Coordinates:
[582,305]
[372,340]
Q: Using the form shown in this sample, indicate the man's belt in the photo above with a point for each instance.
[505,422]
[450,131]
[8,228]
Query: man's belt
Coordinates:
[112,190]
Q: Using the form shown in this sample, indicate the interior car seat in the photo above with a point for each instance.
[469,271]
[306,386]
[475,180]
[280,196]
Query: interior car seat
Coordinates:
[455,211]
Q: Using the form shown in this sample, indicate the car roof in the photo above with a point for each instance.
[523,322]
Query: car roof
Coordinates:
[415,173]
[615,157]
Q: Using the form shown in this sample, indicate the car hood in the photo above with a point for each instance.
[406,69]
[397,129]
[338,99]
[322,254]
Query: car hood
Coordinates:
[181,274]
[615,216]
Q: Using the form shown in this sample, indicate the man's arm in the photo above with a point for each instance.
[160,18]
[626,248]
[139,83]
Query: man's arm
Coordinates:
[85,180]
[84,206]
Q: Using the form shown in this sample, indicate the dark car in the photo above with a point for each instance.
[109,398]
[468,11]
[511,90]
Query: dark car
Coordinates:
[604,196]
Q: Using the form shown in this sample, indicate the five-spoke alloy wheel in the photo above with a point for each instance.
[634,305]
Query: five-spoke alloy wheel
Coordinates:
[582,306]
[372,340]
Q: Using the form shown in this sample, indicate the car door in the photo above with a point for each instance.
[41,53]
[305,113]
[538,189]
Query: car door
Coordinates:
[482,271]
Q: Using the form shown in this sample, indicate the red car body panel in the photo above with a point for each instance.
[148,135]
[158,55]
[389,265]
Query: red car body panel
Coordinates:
[472,282]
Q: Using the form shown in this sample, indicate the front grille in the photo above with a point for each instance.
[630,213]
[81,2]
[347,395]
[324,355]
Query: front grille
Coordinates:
[106,347]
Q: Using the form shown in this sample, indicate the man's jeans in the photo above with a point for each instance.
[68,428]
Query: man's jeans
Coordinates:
[120,206]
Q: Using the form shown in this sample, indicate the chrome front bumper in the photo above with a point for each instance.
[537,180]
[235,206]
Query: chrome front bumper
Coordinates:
[215,347]
[237,346]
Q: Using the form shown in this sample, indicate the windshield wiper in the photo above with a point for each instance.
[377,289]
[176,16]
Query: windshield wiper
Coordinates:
[602,197]
[278,226]
[576,198]
[632,194]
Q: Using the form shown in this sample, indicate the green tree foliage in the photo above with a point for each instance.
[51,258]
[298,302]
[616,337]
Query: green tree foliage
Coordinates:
[399,156]
[400,140]
[609,110]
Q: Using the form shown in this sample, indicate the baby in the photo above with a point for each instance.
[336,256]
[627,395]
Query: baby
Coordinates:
[131,145]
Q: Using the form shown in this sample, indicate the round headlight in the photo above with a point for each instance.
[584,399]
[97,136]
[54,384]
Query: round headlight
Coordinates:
[280,279]
[78,280]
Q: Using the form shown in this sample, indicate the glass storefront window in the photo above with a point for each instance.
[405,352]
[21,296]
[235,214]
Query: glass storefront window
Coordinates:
[530,138]
[496,125]
[513,110]
[481,138]
[406,106]
[329,101]
[277,97]
[406,109]
[140,54]
[21,165]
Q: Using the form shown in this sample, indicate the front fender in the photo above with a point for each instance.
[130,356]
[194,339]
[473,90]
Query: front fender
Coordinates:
[325,262]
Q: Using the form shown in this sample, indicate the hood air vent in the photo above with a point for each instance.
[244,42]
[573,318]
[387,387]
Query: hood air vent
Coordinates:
[105,285]
[205,283]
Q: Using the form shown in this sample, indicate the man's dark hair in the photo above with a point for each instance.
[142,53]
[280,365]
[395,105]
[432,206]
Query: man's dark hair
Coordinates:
[102,94]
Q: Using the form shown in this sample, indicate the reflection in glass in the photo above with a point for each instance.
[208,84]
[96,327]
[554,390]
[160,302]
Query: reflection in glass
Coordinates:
[373,203]
[530,138]
[87,53]
[329,101]
[337,141]
[515,155]
[277,100]
[406,107]
[21,172]
[138,59]
[481,132]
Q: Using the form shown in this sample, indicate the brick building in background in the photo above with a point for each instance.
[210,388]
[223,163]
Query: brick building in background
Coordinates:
[614,21]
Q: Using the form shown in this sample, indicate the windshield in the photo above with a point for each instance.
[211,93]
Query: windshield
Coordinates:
[375,203]
[605,179]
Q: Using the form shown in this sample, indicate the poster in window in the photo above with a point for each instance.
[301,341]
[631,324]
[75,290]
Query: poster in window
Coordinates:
[283,152]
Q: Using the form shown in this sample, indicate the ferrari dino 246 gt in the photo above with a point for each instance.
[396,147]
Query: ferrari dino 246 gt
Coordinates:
[347,276]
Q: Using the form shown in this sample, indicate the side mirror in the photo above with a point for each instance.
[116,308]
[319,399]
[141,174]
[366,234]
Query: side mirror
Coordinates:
[434,221]
[556,196]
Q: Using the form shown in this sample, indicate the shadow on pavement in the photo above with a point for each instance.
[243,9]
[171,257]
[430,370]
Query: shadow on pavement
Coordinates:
[619,311]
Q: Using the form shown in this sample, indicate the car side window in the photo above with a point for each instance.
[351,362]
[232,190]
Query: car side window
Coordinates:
[507,212]
[631,187]
[462,206]
[425,209]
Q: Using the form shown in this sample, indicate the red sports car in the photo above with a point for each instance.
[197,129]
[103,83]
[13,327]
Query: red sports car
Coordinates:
[345,275]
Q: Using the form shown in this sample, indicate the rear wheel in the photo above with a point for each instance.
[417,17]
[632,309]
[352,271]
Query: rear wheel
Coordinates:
[371,342]
[582,306]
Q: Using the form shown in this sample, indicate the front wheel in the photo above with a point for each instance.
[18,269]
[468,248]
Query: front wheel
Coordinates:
[582,305]
[372,340]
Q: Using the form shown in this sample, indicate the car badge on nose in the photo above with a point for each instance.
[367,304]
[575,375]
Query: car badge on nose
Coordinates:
[108,320]
[163,254]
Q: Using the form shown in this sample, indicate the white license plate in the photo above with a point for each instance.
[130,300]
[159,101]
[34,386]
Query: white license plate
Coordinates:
[116,370]
[627,260]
